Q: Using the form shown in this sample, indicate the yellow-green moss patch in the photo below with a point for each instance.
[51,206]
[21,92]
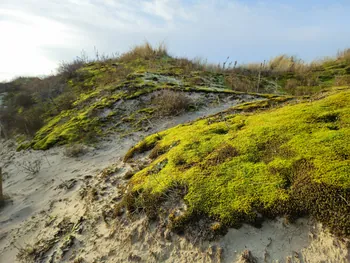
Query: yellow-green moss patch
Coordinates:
[286,161]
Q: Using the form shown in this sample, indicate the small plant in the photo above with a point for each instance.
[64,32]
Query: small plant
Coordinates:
[171,103]
[26,254]
[75,150]
[31,167]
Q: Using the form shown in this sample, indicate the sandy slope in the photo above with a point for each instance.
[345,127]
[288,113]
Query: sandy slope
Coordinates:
[65,209]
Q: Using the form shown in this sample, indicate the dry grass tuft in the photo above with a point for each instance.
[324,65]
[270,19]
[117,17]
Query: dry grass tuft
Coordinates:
[145,51]
[240,83]
[170,103]
[75,150]
[344,54]
[31,167]
[342,80]
[285,63]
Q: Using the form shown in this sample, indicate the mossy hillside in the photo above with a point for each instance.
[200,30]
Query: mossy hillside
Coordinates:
[324,75]
[293,160]
[293,76]
[103,90]
[96,94]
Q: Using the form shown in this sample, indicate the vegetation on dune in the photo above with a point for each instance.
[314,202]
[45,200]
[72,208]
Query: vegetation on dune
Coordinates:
[291,75]
[292,160]
[91,98]
[287,153]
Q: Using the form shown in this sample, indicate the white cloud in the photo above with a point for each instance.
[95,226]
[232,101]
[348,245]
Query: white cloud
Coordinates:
[23,37]
[37,34]
[166,9]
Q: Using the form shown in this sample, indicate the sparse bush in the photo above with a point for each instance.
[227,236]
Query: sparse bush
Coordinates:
[31,167]
[48,88]
[75,150]
[69,69]
[24,99]
[22,121]
[32,121]
[170,103]
[26,103]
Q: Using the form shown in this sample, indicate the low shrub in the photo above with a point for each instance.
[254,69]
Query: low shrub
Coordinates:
[171,103]
[22,121]
[75,150]
[69,69]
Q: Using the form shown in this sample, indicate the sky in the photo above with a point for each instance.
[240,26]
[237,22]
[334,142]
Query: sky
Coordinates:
[36,35]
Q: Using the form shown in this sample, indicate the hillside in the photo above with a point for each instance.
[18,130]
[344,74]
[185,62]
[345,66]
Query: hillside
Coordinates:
[89,100]
[289,161]
[146,157]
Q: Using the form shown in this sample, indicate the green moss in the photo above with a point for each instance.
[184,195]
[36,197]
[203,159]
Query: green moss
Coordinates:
[69,126]
[281,161]
[143,146]
[146,110]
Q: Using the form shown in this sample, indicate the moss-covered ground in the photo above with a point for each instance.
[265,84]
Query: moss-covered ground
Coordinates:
[101,87]
[291,160]
[114,95]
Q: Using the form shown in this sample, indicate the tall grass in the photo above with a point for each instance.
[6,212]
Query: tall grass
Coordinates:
[145,51]
[344,54]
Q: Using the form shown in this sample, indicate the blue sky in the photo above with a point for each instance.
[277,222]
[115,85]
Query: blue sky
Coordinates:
[36,34]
